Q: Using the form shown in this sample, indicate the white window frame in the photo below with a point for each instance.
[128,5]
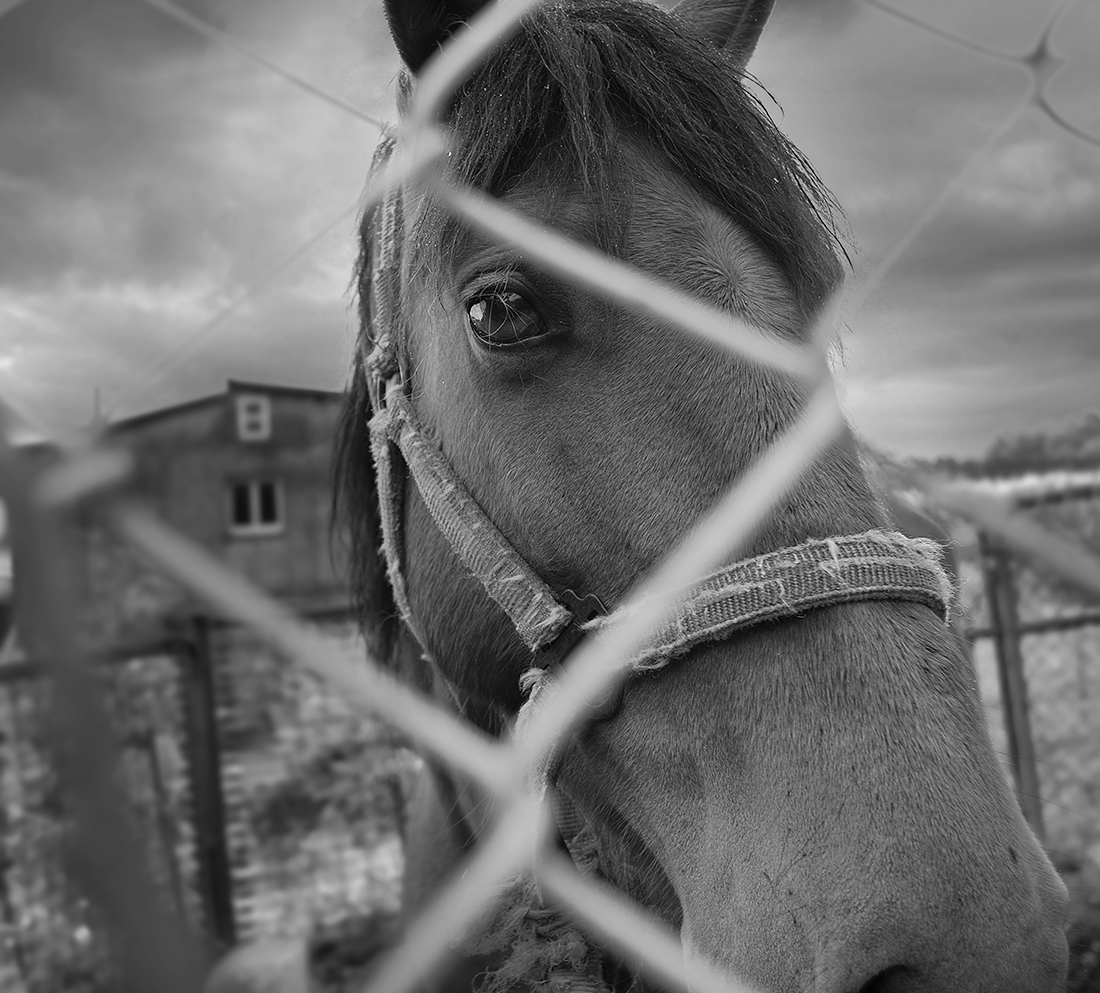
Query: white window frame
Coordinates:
[253,417]
[255,528]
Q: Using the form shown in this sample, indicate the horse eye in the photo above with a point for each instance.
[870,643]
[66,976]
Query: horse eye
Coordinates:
[504,318]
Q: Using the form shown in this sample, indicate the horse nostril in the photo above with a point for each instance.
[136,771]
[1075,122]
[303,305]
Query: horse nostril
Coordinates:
[888,981]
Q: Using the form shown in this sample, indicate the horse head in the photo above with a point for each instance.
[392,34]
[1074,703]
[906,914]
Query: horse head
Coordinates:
[813,802]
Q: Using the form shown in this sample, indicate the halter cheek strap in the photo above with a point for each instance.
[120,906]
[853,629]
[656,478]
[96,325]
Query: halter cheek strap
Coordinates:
[396,435]
[529,603]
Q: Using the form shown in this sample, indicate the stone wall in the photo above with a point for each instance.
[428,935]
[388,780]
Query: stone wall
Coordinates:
[314,792]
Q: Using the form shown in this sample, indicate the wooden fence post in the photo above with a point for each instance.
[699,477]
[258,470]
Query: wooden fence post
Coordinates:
[205,781]
[1000,586]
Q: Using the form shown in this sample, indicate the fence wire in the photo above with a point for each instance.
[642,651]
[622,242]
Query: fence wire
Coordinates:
[158,953]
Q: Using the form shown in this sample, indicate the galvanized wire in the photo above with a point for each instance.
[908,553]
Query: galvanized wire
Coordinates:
[515,842]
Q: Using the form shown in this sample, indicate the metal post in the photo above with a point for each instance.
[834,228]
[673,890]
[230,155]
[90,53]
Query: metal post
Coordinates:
[1000,587]
[167,837]
[205,782]
[156,953]
[10,926]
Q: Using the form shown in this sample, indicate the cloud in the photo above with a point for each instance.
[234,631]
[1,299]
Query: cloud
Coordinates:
[946,373]
[960,409]
[1036,180]
[124,163]
[148,176]
[68,120]
[76,339]
[974,250]
[812,16]
[886,113]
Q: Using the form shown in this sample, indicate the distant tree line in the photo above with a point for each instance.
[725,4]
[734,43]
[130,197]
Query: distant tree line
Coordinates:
[1075,447]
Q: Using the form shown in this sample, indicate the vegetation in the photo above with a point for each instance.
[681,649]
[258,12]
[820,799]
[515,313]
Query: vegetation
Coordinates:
[1074,447]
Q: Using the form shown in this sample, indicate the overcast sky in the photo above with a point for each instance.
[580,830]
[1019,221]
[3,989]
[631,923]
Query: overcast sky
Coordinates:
[148,177]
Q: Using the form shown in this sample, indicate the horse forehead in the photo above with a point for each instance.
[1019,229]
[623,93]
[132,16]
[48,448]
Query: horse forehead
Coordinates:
[645,193]
[676,231]
[657,217]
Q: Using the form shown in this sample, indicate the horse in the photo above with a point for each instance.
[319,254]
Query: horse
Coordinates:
[811,801]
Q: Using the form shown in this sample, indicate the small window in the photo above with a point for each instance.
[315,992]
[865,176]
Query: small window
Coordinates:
[255,508]
[253,418]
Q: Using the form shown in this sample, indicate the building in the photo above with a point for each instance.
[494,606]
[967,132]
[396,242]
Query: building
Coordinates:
[238,766]
[246,474]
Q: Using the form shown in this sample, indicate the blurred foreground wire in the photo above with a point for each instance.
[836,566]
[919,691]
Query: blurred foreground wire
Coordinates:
[156,952]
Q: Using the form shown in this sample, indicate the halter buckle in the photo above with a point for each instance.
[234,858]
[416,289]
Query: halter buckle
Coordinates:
[583,609]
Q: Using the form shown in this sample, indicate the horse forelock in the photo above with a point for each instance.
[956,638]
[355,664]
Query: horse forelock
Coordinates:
[581,76]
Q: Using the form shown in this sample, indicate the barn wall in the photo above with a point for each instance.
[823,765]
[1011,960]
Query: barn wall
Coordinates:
[185,460]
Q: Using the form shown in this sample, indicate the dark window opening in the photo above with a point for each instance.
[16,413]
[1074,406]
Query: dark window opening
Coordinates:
[242,510]
[255,508]
[268,511]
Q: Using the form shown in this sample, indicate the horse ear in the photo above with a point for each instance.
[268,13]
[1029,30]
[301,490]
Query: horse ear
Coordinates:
[734,25]
[419,27]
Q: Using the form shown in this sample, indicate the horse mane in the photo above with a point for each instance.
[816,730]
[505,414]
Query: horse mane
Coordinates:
[355,515]
[560,96]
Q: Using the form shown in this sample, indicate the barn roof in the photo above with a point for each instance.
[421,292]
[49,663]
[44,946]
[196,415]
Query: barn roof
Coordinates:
[231,386]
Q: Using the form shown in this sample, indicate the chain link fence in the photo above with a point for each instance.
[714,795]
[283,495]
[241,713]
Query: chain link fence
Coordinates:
[265,806]
[158,952]
[1057,631]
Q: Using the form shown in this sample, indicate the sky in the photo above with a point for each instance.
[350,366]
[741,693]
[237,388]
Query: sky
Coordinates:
[151,178]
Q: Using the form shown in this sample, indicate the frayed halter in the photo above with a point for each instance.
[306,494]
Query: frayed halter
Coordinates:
[546,952]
